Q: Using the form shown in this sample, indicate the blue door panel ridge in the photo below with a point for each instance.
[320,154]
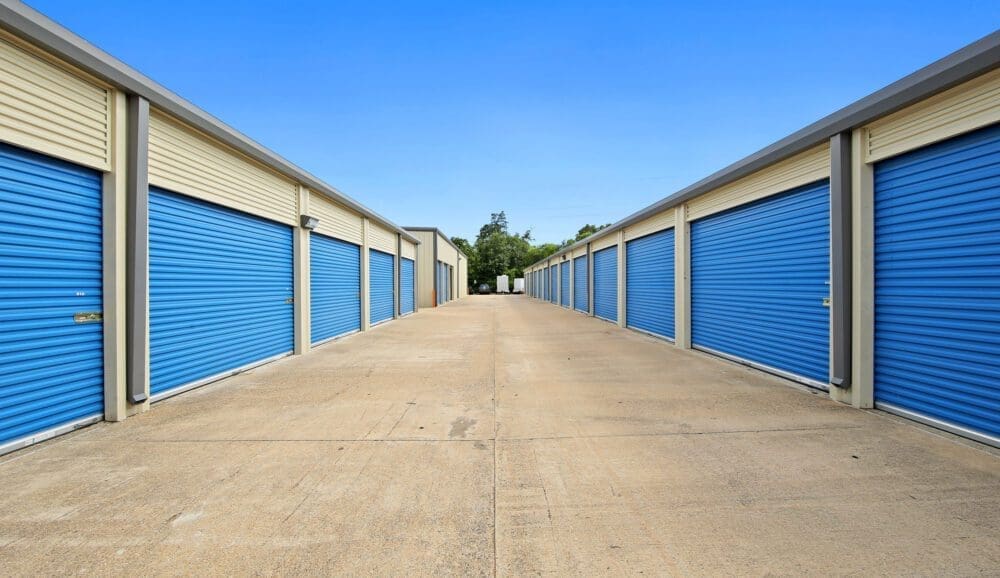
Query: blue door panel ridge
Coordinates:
[382,267]
[580,283]
[407,285]
[759,275]
[52,366]
[606,284]
[220,290]
[937,282]
[649,289]
[335,285]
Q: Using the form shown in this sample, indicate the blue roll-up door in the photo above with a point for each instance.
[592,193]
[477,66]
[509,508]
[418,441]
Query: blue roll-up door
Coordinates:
[439,283]
[554,283]
[759,277]
[564,283]
[51,367]
[606,284]
[937,284]
[580,284]
[335,285]
[382,271]
[649,283]
[407,283]
[220,290]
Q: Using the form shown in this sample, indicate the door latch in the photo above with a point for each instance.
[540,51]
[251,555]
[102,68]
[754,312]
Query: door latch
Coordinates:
[826,302]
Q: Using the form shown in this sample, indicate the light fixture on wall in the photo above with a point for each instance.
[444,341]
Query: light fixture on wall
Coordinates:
[309,222]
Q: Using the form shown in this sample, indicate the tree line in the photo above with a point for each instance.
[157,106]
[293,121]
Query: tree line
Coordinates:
[497,251]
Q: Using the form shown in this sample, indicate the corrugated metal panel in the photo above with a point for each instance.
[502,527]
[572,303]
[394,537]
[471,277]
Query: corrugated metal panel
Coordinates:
[564,283]
[554,282]
[408,250]
[220,290]
[759,275]
[48,108]
[407,285]
[606,284]
[969,106]
[382,271]
[463,278]
[52,368]
[440,280]
[335,287]
[446,253]
[649,283]
[183,160]
[807,167]
[657,222]
[381,239]
[937,282]
[604,242]
[579,251]
[426,268]
[580,296]
[335,220]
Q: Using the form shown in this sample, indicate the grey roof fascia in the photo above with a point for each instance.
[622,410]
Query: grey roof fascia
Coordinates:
[440,232]
[39,30]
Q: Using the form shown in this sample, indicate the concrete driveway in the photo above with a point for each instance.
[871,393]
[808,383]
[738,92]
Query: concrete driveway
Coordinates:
[500,435]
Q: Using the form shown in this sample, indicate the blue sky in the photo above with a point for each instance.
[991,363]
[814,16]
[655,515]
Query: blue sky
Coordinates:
[560,113]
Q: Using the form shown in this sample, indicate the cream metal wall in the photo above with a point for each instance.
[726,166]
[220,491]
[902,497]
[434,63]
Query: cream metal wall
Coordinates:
[425,267]
[971,105]
[463,277]
[57,109]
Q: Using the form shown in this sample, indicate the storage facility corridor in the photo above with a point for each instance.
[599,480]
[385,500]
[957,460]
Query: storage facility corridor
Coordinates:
[501,434]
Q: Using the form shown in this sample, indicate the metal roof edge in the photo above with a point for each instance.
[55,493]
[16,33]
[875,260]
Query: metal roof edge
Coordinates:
[38,29]
[964,64]
[439,232]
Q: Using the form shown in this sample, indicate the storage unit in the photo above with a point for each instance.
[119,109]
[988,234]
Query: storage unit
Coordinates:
[606,284]
[937,284]
[52,362]
[760,283]
[649,283]
[335,285]
[220,291]
[564,283]
[381,279]
[580,295]
[407,286]
[442,273]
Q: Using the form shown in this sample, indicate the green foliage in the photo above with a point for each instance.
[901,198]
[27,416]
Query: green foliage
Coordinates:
[584,232]
[497,251]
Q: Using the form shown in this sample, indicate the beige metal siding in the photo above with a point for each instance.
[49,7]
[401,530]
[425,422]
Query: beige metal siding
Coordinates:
[579,251]
[381,239]
[186,161]
[425,268]
[335,220]
[657,222]
[447,253]
[408,250]
[47,108]
[463,278]
[803,168]
[966,107]
[604,242]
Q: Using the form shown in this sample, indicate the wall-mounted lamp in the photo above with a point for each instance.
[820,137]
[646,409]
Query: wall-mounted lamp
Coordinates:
[309,222]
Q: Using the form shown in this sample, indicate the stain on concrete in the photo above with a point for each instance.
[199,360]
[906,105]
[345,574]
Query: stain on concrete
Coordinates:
[461,426]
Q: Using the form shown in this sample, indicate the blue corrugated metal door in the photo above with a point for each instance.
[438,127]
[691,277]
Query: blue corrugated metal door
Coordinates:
[335,285]
[545,283]
[759,275]
[649,283]
[382,270]
[220,290]
[606,283]
[439,286]
[407,297]
[580,284]
[564,283]
[554,283]
[937,283]
[51,368]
